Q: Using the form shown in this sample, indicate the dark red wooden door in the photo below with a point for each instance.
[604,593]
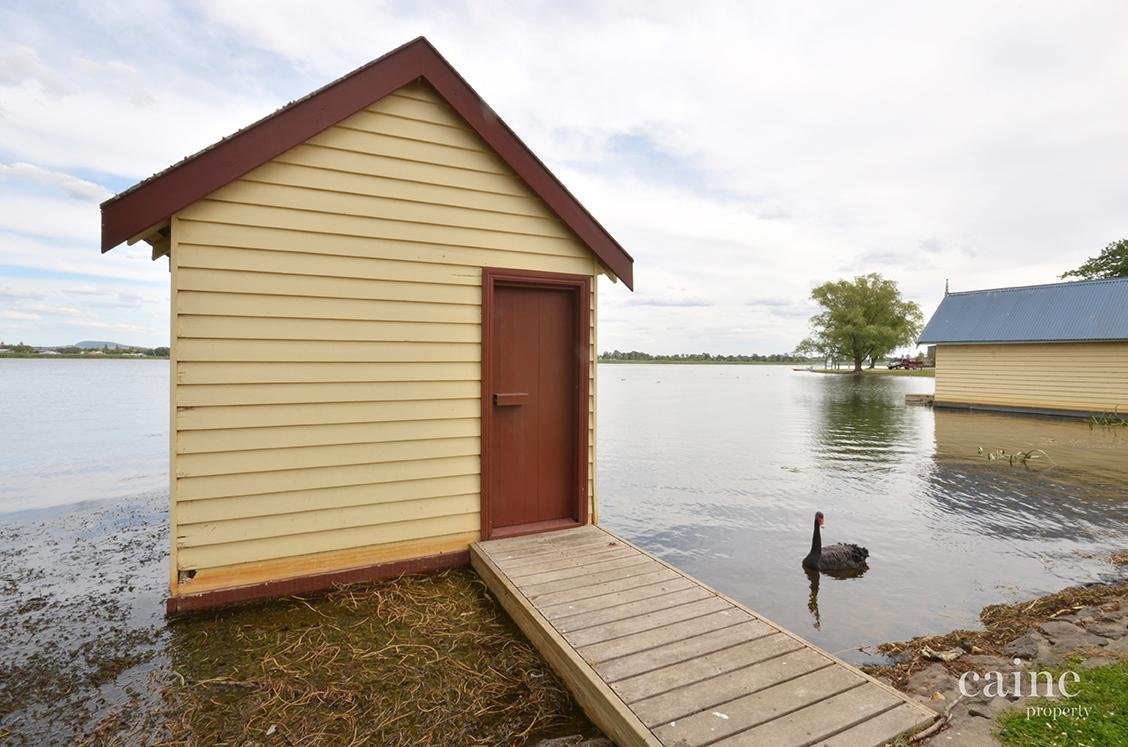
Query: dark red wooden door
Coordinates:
[533,425]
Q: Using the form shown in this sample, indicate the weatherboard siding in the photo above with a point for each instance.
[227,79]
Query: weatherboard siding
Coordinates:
[1087,377]
[327,346]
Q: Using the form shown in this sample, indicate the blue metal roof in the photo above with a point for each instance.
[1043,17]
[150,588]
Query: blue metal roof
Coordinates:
[1060,312]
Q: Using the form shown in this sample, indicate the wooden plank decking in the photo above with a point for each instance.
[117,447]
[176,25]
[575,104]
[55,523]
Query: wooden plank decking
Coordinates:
[656,657]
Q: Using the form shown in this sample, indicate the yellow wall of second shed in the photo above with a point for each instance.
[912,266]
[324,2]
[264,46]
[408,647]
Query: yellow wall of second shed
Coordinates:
[1084,377]
[327,346]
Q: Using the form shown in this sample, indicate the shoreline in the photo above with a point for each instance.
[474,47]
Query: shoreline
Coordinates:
[83,357]
[704,362]
[88,656]
[926,373]
[1077,628]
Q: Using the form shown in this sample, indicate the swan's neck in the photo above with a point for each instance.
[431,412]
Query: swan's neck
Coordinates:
[816,541]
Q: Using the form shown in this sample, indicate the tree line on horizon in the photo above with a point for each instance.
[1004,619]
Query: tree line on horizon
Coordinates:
[21,349]
[636,355]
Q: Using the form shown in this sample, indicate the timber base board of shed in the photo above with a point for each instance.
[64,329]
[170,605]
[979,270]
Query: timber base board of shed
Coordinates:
[216,598]
[1042,412]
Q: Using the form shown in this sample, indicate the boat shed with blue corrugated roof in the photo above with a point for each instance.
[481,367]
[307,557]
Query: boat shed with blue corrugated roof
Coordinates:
[1056,349]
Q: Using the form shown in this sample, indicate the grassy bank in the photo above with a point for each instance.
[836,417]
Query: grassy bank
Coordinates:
[1096,715]
[927,373]
[683,362]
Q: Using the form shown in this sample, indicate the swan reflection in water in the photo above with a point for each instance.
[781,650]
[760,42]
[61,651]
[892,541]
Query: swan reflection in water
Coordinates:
[813,577]
[839,561]
[813,599]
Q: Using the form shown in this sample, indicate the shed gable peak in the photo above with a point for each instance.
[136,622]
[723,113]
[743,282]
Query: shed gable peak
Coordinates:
[156,199]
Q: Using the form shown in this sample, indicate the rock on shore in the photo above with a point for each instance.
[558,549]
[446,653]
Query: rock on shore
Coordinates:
[1095,634]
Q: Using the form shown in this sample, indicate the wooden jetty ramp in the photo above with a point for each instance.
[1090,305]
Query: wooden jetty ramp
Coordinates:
[655,657]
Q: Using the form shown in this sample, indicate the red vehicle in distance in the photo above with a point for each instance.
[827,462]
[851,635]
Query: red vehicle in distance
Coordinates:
[905,363]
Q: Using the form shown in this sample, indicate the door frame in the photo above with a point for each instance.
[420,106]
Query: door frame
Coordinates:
[580,287]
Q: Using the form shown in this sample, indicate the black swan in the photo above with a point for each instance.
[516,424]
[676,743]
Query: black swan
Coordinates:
[839,557]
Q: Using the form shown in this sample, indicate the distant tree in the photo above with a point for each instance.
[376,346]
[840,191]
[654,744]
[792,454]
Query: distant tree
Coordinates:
[863,318]
[817,346]
[1112,262]
[160,352]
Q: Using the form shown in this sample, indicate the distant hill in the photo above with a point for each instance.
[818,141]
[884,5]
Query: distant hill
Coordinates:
[99,345]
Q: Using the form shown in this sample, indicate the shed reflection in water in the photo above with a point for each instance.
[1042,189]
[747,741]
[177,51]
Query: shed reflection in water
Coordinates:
[1066,495]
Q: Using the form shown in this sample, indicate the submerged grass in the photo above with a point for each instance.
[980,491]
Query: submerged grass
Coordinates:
[1112,419]
[1096,715]
[419,660]
[1002,623]
[87,656]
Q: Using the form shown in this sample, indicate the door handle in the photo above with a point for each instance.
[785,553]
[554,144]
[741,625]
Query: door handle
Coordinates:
[510,399]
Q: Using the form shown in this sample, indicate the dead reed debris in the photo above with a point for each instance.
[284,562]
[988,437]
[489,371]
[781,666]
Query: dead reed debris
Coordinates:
[1002,623]
[426,659]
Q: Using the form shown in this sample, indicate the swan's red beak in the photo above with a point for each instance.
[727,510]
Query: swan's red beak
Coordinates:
[822,522]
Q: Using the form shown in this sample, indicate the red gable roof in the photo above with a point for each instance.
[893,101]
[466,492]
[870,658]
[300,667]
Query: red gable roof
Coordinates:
[158,197]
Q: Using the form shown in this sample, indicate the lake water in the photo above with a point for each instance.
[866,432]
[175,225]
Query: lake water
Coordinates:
[74,430]
[719,470]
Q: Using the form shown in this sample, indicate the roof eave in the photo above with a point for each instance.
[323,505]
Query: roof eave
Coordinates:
[161,196]
[1053,340]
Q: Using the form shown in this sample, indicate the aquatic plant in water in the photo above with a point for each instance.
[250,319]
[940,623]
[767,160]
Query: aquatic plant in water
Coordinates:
[1018,457]
[1109,419]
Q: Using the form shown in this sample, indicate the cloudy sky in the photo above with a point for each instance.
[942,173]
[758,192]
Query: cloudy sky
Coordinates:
[742,152]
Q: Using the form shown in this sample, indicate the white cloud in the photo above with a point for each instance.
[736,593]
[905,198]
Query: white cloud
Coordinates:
[118,117]
[72,186]
[20,65]
[56,311]
[18,315]
[62,253]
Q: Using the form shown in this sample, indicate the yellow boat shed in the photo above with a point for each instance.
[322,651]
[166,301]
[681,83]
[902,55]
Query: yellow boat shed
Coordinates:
[1058,349]
[383,337]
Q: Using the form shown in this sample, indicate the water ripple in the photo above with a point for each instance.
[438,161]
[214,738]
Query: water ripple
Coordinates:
[730,471]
